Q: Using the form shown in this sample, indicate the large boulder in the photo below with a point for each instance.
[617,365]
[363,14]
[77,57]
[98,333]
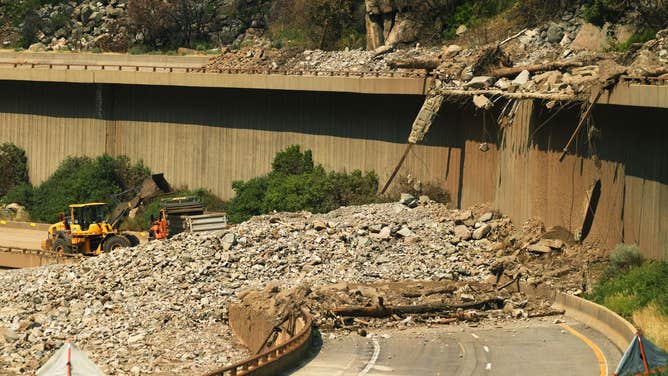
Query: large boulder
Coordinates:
[590,37]
[555,33]
[404,31]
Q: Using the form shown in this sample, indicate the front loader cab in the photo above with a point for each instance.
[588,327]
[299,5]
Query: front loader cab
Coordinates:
[88,218]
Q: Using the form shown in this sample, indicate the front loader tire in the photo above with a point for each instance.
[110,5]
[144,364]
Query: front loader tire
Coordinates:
[134,241]
[115,242]
[61,246]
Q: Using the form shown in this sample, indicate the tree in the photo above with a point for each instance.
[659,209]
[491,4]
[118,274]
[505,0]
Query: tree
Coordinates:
[13,167]
[173,23]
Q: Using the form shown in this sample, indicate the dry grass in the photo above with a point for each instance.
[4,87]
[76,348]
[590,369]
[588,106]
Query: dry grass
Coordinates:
[654,324]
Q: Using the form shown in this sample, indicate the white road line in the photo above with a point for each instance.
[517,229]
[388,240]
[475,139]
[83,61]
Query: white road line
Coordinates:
[374,357]
[488,366]
[475,336]
[486,348]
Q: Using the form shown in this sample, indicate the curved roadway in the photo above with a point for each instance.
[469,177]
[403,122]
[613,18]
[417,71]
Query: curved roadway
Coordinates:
[536,347]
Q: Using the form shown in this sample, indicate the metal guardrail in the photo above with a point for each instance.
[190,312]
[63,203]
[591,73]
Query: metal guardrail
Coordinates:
[254,364]
[644,80]
[174,69]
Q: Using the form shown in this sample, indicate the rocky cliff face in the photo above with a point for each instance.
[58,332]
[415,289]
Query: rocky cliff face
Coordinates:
[73,25]
[117,25]
[391,22]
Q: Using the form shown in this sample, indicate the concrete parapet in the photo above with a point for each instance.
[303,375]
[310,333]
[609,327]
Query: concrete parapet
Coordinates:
[619,331]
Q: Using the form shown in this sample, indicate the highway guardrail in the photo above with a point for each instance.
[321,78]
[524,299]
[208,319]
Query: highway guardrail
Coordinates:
[277,358]
[172,69]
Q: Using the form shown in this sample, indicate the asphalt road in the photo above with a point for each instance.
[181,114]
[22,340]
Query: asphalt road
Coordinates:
[32,239]
[536,347]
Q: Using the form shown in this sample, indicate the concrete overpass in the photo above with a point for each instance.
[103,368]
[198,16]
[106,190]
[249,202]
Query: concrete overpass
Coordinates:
[190,71]
[207,129]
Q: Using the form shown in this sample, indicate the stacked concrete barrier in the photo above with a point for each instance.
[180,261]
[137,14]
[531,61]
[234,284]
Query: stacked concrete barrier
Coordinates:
[619,331]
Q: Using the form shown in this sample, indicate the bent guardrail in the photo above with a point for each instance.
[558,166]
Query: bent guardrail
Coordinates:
[276,359]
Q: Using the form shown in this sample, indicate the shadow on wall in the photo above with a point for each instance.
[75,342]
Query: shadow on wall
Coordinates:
[632,136]
[361,116]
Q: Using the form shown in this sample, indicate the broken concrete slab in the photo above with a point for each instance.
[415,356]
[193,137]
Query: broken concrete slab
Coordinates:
[522,78]
[481,101]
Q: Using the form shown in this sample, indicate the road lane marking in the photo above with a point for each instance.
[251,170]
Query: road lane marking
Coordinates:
[488,366]
[475,336]
[374,357]
[486,348]
[602,363]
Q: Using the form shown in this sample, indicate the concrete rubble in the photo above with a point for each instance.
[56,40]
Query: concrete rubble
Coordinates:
[161,308]
[563,60]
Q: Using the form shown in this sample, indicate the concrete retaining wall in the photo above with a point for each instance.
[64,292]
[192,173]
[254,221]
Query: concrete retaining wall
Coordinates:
[616,328]
[210,137]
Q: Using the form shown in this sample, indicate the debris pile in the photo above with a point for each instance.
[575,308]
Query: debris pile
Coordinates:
[316,61]
[162,307]
[562,60]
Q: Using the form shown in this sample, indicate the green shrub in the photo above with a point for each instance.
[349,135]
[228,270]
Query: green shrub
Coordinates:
[292,161]
[137,50]
[20,194]
[662,303]
[632,286]
[472,13]
[638,37]
[601,11]
[248,200]
[296,183]
[326,24]
[623,304]
[13,167]
[622,259]
[81,180]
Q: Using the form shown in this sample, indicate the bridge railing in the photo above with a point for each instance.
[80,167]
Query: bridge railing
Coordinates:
[176,69]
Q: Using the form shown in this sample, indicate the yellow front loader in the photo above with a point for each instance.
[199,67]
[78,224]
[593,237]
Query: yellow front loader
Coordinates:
[86,231]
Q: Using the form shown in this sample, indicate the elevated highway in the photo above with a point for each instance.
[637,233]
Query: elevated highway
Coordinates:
[191,71]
